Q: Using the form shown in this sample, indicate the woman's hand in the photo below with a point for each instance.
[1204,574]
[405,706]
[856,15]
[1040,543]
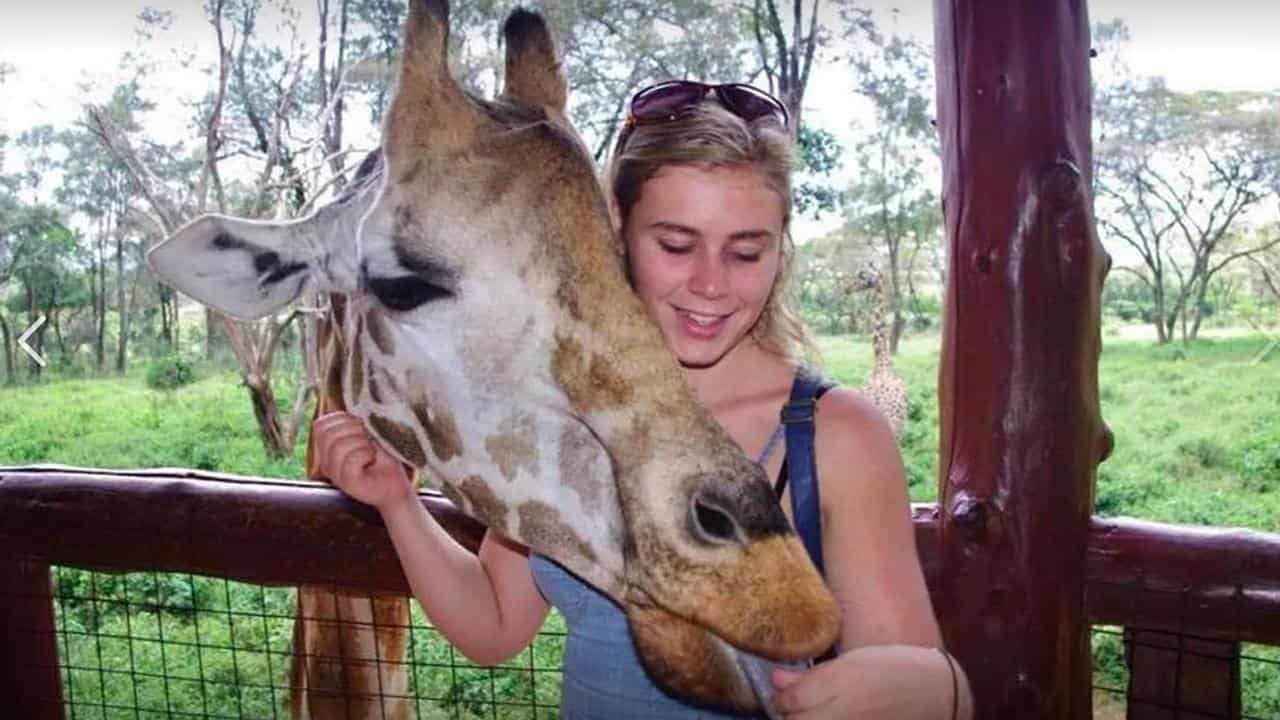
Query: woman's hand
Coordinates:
[353,461]
[898,682]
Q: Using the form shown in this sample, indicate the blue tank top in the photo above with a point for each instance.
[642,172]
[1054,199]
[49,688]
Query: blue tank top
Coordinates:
[603,678]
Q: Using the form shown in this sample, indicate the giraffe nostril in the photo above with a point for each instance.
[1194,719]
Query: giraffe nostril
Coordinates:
[713,523]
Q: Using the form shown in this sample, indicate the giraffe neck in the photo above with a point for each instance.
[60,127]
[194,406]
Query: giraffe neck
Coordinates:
[880,331]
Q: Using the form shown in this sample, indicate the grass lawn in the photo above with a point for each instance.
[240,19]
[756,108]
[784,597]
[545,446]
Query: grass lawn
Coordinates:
[1197,429]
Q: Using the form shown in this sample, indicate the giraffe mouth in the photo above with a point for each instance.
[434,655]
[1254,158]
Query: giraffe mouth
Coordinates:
[744,681]
[757,671]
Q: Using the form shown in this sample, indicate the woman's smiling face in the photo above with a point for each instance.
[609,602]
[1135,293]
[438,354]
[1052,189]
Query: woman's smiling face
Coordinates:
[704,249]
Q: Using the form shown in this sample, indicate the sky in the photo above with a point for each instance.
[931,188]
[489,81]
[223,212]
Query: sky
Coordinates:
[1195,44]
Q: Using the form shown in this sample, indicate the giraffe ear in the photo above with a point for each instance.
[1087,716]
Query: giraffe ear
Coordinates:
[533,71]
[429,114]
[250,268]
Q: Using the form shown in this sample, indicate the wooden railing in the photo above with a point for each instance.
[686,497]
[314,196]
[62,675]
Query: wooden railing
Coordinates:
[1165,583]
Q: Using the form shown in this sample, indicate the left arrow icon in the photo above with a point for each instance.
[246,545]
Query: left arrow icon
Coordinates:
[22,341]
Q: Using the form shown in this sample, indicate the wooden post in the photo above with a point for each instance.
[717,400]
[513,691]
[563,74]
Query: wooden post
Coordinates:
[1021,433]
[30,685]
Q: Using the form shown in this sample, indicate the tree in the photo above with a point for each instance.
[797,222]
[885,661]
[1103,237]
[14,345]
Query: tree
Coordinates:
[1266,267]
[252,112]
[42,251]
[826,269]
[1177,176]
[890,202]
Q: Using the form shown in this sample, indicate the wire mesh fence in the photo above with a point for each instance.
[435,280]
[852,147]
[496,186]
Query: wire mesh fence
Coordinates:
[155,645]
[1144,674]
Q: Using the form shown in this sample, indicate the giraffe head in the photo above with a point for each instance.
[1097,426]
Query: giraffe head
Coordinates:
[867,278]
[491,339]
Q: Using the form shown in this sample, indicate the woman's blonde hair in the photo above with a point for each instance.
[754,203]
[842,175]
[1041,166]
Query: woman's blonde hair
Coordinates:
[710,136]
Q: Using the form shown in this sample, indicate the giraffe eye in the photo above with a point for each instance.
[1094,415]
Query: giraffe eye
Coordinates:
[405,292]
[712,523]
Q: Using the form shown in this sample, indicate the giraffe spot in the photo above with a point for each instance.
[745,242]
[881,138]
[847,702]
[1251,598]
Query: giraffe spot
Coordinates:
[589,380]
[441,431]
[400,437]
[542,527]
[270,261]
[485,505]
[378,331]
[357,367]
[226,241]
[579,453]
[511,448]
[411,173]
[567,298]
[375,391]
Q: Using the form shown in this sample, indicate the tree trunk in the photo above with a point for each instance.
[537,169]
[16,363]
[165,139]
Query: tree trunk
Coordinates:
[7,337]
[100,300]
[1021,431]
[55,320]
[166,332]
[268,416]
[210,322]
[122,309]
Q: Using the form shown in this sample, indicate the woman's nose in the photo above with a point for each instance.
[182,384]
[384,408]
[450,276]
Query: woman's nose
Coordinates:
[710,276]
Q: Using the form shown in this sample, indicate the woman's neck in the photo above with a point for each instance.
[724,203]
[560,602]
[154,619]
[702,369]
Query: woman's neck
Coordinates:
[744,372]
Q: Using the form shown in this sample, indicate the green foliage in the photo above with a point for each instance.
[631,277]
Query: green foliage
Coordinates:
[819,156]
[1196,429]
[169,372]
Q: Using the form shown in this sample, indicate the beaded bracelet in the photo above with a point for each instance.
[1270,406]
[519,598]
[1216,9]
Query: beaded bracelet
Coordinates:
[955,685]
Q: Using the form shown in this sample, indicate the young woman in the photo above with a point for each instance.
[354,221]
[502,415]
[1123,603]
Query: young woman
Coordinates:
[701,186]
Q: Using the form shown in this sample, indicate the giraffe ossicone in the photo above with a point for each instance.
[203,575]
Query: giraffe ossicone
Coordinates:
[491,340]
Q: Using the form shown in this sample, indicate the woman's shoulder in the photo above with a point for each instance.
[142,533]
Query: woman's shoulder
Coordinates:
[853,435]
[844,409]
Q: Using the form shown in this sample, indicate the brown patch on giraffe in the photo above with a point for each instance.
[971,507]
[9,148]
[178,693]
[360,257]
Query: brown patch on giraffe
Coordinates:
[411,173]
[485,505]
[357,364]
[578,450]
[541,526]
[441,431]
[511,448]
[375,391]
[390,617]
[377,326]
[567,298]
[400,437]
[589,380]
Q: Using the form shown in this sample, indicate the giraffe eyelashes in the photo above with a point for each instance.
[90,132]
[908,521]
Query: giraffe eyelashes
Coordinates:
[405,292]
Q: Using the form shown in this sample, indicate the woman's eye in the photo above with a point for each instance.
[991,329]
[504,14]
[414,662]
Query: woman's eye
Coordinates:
[749,257]
[675,248]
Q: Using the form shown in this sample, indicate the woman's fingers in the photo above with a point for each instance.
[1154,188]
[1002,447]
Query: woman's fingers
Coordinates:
[351,455]
[329,427]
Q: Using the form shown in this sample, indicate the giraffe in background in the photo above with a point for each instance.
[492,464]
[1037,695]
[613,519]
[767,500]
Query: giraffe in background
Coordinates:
[486,334]
[883,387]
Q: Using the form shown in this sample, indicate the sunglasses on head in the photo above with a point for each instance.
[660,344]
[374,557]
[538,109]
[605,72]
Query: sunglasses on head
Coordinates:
[672,99]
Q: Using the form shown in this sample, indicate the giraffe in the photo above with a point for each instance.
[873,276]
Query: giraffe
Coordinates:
[883,387]
[490,339]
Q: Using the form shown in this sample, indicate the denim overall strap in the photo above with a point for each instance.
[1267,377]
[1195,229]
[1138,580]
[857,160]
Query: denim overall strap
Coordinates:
[802,476]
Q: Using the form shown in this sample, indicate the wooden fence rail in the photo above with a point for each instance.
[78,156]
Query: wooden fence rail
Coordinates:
[1162,579]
